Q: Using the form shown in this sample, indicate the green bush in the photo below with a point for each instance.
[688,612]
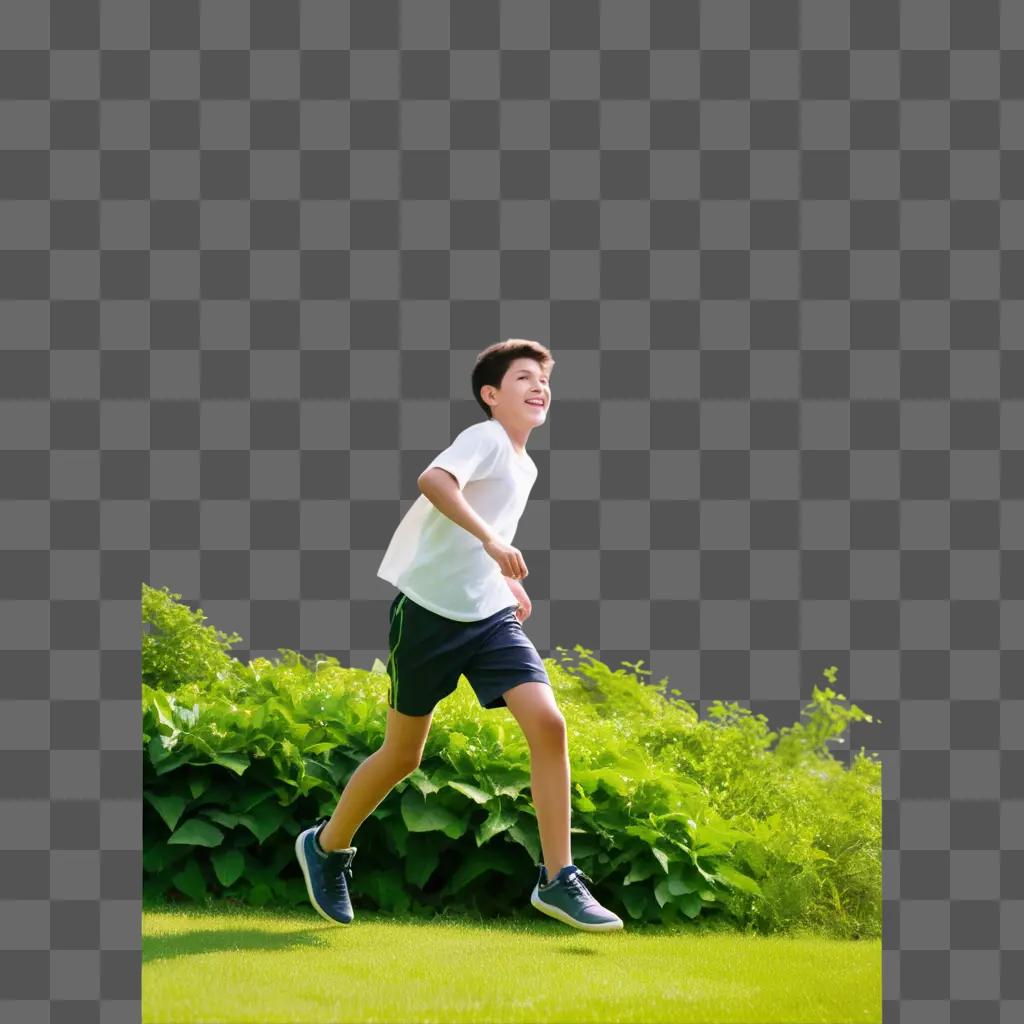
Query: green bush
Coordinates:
[180,649]
[677,820]
[816,824]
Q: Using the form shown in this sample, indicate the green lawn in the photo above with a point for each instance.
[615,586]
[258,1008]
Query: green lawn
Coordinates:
[233,963]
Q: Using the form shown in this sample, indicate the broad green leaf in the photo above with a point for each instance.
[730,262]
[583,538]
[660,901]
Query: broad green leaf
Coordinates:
[708,876]
[508,781]
[610,777]
[661,858]
[421,860]
[753,853]
[225,818]
[278,707]
[159,856]
[642,832]
[190,881]
[159,748]
[582,801]
[200,744]
[321,748]
[689,904]
[228,865]
[236,761]
[490,858]
[164,713]
[684,817]
[173,761]
[314,770]
[170,807]
[264,819]
[638,872]
[394,828]
[710,840]
[473,792]
[426,815]
[500,818]
[661,892]
[198,784]
[683,880]
[737,879]
[217,793]
[423,782]
[528,838]
[248,801]
[197,832]
[635,900]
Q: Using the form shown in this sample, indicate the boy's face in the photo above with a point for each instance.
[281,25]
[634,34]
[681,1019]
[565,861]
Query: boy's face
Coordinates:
[524,384]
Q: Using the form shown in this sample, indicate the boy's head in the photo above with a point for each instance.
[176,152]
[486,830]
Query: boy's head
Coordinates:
[512,370]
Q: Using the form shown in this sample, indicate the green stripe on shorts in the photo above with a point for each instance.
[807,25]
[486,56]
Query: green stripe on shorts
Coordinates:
[393,695]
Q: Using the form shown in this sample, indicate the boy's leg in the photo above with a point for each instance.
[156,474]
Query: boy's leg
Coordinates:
[372,781]
[533,706]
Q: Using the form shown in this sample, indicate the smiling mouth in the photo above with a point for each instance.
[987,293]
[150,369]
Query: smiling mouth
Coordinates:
[538,404]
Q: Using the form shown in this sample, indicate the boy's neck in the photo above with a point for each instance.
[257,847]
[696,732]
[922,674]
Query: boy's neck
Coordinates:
[517,435]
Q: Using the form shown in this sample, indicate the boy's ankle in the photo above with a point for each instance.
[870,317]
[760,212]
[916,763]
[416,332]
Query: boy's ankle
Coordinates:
[318,839]
[332,849]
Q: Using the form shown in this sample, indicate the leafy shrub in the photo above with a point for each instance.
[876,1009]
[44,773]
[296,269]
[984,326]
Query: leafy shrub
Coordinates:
[180,649]
[816,824]
[686,820]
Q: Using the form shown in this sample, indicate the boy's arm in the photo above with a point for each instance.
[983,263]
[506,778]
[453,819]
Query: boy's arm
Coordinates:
[442,490]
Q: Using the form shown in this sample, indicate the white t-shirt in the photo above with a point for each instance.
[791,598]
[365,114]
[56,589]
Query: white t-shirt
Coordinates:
[442,566]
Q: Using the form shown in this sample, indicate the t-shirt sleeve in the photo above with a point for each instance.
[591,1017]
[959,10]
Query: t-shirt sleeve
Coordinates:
[470,456]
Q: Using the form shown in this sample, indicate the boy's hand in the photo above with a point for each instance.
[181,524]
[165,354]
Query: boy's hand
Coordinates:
[509,559]
[523,599]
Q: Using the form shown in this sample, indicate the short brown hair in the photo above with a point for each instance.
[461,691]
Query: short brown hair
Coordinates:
[495,360]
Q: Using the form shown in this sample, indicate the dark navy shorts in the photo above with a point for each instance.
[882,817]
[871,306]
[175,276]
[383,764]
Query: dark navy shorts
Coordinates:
[428,652]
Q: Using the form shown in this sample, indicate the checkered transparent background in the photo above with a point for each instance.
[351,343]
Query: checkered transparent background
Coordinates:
[248,252]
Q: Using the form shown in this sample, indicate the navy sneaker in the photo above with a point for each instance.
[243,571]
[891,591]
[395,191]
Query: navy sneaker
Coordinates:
[567,899]
[325,875]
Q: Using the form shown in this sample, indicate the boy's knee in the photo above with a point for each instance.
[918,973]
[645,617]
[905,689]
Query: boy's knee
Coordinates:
[403,761]
[547,729]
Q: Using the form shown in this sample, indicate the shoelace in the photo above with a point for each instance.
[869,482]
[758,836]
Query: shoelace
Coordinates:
[576,886]
[334,881]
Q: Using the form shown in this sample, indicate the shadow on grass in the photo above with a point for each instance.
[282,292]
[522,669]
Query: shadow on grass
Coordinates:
[233,940]
[203,939]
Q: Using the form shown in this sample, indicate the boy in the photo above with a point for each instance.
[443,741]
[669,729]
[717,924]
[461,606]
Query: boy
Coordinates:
[453,563]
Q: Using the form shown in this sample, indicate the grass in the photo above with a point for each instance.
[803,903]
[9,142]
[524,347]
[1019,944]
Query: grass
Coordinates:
[228,962]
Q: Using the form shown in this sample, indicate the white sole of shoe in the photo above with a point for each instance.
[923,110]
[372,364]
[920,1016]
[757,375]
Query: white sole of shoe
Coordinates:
[561,915]
[300,855]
